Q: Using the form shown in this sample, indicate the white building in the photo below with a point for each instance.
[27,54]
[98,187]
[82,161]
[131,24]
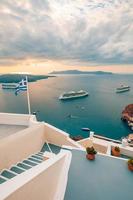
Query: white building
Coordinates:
[41,162]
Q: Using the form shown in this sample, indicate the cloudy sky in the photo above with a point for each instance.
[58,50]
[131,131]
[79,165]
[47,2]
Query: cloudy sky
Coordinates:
[44,35]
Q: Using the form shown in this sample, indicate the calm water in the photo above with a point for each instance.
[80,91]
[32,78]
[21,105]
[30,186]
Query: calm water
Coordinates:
[101,111]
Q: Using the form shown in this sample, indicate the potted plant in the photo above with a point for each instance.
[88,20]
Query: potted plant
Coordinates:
[115,151]
[90,153]
[130,164]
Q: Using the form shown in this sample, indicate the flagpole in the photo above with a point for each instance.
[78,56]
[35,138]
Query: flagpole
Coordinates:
[28,97]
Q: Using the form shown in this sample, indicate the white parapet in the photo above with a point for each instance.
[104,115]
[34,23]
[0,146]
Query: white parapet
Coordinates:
[47,180]
[59,137]
[20,145]
[17,119]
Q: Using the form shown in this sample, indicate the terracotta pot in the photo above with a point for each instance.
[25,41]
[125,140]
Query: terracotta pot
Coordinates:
[90,156]
[115,153]
[130,167]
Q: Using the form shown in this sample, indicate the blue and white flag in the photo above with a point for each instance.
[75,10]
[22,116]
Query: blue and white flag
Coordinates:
[22,86]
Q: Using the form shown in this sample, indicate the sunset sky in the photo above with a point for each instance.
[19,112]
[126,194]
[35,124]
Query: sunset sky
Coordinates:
[40,36]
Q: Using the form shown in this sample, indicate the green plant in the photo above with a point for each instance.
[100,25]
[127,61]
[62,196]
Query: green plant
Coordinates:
[130,161]
[117,149]
[90,150]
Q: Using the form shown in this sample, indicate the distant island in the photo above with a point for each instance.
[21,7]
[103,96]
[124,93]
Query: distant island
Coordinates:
[14,78]
[81,72]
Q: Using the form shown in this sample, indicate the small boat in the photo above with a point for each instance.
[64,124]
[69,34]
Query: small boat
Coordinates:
[72,116]
[9,85]
[122,88]
[85,129]
[73,95]
[35,112]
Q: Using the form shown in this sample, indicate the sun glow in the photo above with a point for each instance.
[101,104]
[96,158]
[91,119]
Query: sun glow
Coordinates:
[44,36]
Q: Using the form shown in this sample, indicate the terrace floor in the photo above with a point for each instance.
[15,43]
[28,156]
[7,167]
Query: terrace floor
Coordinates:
[104,178]
[6,130]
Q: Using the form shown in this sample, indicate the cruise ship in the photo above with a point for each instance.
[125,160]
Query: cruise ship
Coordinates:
[39,161]
[9,85]
[73,95]
[123,88]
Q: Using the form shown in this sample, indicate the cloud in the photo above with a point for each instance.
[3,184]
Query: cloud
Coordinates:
[89,31]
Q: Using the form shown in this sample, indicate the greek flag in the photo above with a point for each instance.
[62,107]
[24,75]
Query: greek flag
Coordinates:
[22,86]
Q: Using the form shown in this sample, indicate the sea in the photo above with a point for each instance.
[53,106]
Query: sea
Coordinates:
[100,111]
